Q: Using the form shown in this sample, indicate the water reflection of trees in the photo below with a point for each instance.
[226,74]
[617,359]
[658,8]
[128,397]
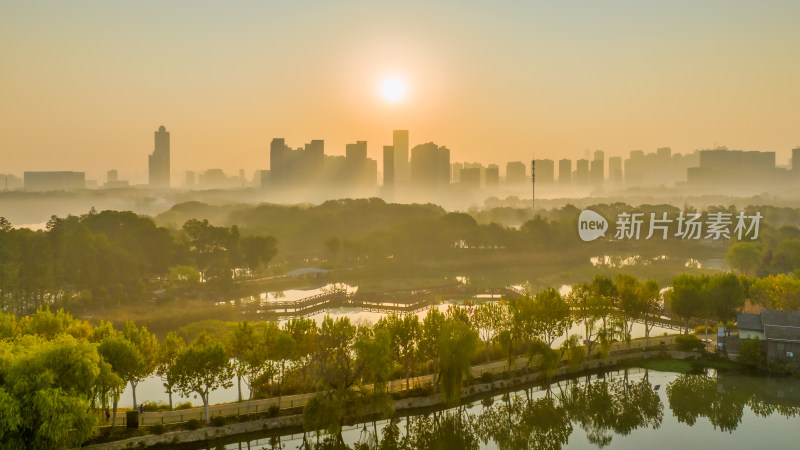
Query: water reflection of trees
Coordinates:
[612,406]
[698,395]
[602,408]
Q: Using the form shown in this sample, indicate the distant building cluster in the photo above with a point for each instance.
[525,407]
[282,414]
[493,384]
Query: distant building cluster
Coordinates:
[428,166]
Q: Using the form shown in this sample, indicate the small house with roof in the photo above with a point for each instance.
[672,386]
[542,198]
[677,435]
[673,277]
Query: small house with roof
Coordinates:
[779,331]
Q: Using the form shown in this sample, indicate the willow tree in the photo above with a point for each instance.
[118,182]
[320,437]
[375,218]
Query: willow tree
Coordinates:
[456,345]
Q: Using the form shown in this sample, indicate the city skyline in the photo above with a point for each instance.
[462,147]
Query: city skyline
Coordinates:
[616,77]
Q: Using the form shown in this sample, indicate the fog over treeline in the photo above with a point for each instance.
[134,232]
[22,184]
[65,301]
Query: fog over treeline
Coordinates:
[34,209]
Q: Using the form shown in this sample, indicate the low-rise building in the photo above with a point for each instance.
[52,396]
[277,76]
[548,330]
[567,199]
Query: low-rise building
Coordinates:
[779,331]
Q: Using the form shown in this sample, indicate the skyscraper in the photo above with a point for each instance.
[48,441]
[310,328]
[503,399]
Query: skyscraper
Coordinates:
[295,167]
[564,171]
[358,169]
[597,167]
[515,172]
[545,171]
[430,165]
[402,172]
[796,160]
[159,160]
[492,176]
[388,165]
[582,171]
[615,169]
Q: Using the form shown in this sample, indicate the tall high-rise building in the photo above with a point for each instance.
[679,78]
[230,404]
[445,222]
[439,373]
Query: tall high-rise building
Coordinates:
[159,161]
[564,171]
[402,172]
[615,169]
[582,171]
[278,150]
[358,169]
[545,171]
[492,176]
[295,167]
[430,164]
[598,173]
[515,172]
[470,177]
[357,151]
[388,165]
[796,160]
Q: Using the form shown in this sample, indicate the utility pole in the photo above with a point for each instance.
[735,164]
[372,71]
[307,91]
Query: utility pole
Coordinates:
[533,187]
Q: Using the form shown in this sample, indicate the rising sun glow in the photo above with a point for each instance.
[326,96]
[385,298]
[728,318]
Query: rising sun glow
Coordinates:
[393,89]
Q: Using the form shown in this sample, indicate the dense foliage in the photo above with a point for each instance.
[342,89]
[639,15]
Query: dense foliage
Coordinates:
[66,369]
[114,257]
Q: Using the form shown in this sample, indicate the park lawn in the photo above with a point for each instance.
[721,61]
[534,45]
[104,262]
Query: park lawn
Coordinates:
[666,365]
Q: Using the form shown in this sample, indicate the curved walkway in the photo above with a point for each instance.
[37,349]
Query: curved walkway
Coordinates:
[299,400]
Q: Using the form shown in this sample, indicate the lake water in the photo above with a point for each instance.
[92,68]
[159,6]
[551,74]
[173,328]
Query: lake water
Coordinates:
[638,410]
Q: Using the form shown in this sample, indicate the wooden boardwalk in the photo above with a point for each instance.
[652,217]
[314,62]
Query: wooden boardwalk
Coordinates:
[408,303]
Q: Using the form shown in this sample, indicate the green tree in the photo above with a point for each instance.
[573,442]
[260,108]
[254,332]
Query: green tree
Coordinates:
[688,298]
[238,344]
[456,345]
[652,308]
[488,320]
[47,391]
[202,367]
[745,257]
[336,362]
[283,351]
[333,244]
[551,315]
[147,345]
[726,295]
[124,358]
[404,331]
[780,292]
[169,349]
[429,337]
[258,251]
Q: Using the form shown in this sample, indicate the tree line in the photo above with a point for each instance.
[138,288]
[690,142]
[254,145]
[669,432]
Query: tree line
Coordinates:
[67,368]
[112,256]
[348,364]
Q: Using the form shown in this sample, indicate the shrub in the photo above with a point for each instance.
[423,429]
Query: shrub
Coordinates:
[702,329]
[273,410]
[218,421]
[192,424]
[487,377]
[688,342]
[158,428]
[184,405]
[781,369]
[751,354]
[154,406]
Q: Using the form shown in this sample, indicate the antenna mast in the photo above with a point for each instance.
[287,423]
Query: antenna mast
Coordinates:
[533,188]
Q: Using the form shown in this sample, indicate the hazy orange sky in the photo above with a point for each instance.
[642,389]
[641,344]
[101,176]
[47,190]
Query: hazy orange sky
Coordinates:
[84,84]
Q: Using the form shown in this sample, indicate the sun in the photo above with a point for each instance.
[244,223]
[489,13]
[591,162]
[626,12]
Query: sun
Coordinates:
[393,89]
